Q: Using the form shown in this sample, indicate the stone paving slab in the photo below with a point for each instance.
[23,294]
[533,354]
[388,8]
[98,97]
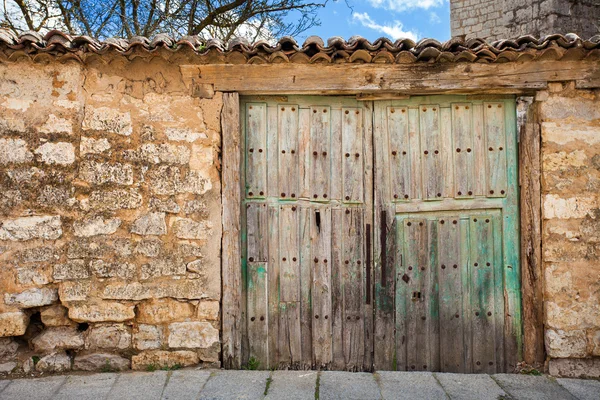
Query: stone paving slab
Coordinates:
[139,386]
[86,387]
[286,385]
[348,385]
[469,386]
[228,385]
[186,384]
[528,387]
[30,389]
[3,385]
[583,389]
[410,385]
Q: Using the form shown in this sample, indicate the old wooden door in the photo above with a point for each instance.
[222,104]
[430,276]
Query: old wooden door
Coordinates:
[426,185]
[446,243]
[308,216]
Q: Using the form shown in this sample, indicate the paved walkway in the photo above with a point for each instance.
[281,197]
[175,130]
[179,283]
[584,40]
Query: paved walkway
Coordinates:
[291,385]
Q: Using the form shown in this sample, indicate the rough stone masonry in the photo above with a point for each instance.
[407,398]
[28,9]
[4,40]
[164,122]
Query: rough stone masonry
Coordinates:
[110,218]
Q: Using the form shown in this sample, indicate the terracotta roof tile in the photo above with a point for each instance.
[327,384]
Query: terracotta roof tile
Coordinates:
[314,50]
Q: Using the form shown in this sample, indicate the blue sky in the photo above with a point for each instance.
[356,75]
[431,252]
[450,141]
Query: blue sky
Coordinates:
[372,19]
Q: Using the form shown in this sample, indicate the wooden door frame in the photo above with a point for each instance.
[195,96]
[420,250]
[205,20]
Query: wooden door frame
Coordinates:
[529,169]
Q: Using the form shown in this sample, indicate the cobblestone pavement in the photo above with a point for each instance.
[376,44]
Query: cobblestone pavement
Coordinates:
[289,385]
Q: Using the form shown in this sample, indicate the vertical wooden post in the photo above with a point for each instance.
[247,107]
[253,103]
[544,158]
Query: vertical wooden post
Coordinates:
[531,232]
[231,247]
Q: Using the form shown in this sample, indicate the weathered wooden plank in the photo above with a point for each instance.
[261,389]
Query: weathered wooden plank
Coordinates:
[463,149]
[232,302]
[417,78]
[495,137]
[451,315]
[367,296]
[480,151]
[273,283]
[320,143]
[465,270]
[256,232]
[352,150]
[304,154]
[256,150]
[258,328]
[306,279]
[289,270]
[288,121]
[414,154]
[449,205]
[337,176]
[384,227]
[337,285]
[321,289]
[482,294]
[399,157]
[403,285]
[353,319]
[498,272]
[431,290]
[289,346]
[272,151]
[431,157]
[447,152]
[531,233]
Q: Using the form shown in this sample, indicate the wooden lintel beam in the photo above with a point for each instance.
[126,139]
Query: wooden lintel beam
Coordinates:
[400,79]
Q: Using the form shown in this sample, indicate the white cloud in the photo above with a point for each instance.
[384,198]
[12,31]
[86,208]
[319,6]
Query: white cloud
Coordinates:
[434,18]
[403,5]
[394,31]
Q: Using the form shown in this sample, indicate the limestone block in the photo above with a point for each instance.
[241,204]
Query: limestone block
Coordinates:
[56,315]
[7,367]
[62,153]
[115,199]
[161,359]
[168,206]
[192,335]
[195,266]
[90,145]
[167,180]
[196,182]
[163,310]
[99,247]
[208,310]
[73,269]
[14,151]
[13,323]
[102,312]
[37,254]
[58,338]
[74,290]
[108,337]
[149,247]
[26,228]
[56,124]
[573,207]
[166,266]
[565,344]
[54,362]
[594,342]
[100,362]
[96,226]
[184,134]
[563,161]
[8,349]
[99,173]
[210,354]
[163,154]
[575,367]
[147,337]
[150,224]
[36,297]
[186,228]
[103,269]
[34,275]
[107,120]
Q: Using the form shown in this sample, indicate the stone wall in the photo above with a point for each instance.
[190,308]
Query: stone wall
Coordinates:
[570,122]
[109,217]
[502,19]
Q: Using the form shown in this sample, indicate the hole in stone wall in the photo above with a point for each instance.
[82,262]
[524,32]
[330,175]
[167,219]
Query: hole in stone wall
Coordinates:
[83,327]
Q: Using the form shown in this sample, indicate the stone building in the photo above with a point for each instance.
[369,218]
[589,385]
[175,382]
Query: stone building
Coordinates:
[139,182]
[505,19]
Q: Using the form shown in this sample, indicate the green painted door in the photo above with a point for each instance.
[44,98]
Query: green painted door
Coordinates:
[380,234]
